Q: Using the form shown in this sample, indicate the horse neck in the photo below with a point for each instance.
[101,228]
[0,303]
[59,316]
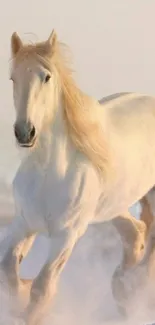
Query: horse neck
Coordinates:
[55,148]
[62,146]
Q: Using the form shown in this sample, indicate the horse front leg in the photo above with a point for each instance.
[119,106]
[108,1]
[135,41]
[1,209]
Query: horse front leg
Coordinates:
[26,246]
[10,251]
[45,285]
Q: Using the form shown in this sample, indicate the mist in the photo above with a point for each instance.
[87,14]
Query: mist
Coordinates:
[84,293]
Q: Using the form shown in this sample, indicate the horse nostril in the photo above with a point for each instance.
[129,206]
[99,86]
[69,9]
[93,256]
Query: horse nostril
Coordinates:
[32,132]
[16,132]
[24,132]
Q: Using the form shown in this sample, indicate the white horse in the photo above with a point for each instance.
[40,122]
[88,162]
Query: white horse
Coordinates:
[86,161]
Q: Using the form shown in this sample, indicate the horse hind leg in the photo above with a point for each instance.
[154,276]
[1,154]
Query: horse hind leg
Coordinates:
[138,245]
[148,215]
[148,209]
[133,234]
[133,237]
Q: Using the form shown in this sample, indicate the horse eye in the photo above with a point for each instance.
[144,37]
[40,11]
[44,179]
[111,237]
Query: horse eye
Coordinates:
[47,78]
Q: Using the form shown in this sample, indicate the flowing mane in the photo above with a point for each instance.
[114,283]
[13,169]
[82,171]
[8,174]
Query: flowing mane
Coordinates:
[80,111]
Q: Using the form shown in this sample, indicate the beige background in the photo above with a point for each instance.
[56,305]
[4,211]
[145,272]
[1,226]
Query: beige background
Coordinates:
[113,43]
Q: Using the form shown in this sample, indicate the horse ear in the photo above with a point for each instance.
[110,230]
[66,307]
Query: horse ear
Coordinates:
[16,43]
[52,40]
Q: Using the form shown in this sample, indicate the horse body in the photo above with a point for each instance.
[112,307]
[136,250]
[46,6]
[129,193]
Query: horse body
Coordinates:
[87,161]
[130,121]
[41,186]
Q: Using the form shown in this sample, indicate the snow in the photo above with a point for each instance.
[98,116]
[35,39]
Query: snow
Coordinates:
[84,293]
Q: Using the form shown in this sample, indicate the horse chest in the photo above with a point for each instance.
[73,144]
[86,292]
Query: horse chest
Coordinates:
[49,201]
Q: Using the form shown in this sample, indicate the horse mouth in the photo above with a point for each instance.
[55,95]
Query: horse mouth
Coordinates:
[27,145]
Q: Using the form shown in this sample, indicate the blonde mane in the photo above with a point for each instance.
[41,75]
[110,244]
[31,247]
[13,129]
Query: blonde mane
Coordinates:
[80,111]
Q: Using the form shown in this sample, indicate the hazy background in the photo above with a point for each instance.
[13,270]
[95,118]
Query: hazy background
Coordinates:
[113,43]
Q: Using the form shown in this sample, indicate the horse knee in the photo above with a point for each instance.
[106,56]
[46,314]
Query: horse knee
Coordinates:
[27,245]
